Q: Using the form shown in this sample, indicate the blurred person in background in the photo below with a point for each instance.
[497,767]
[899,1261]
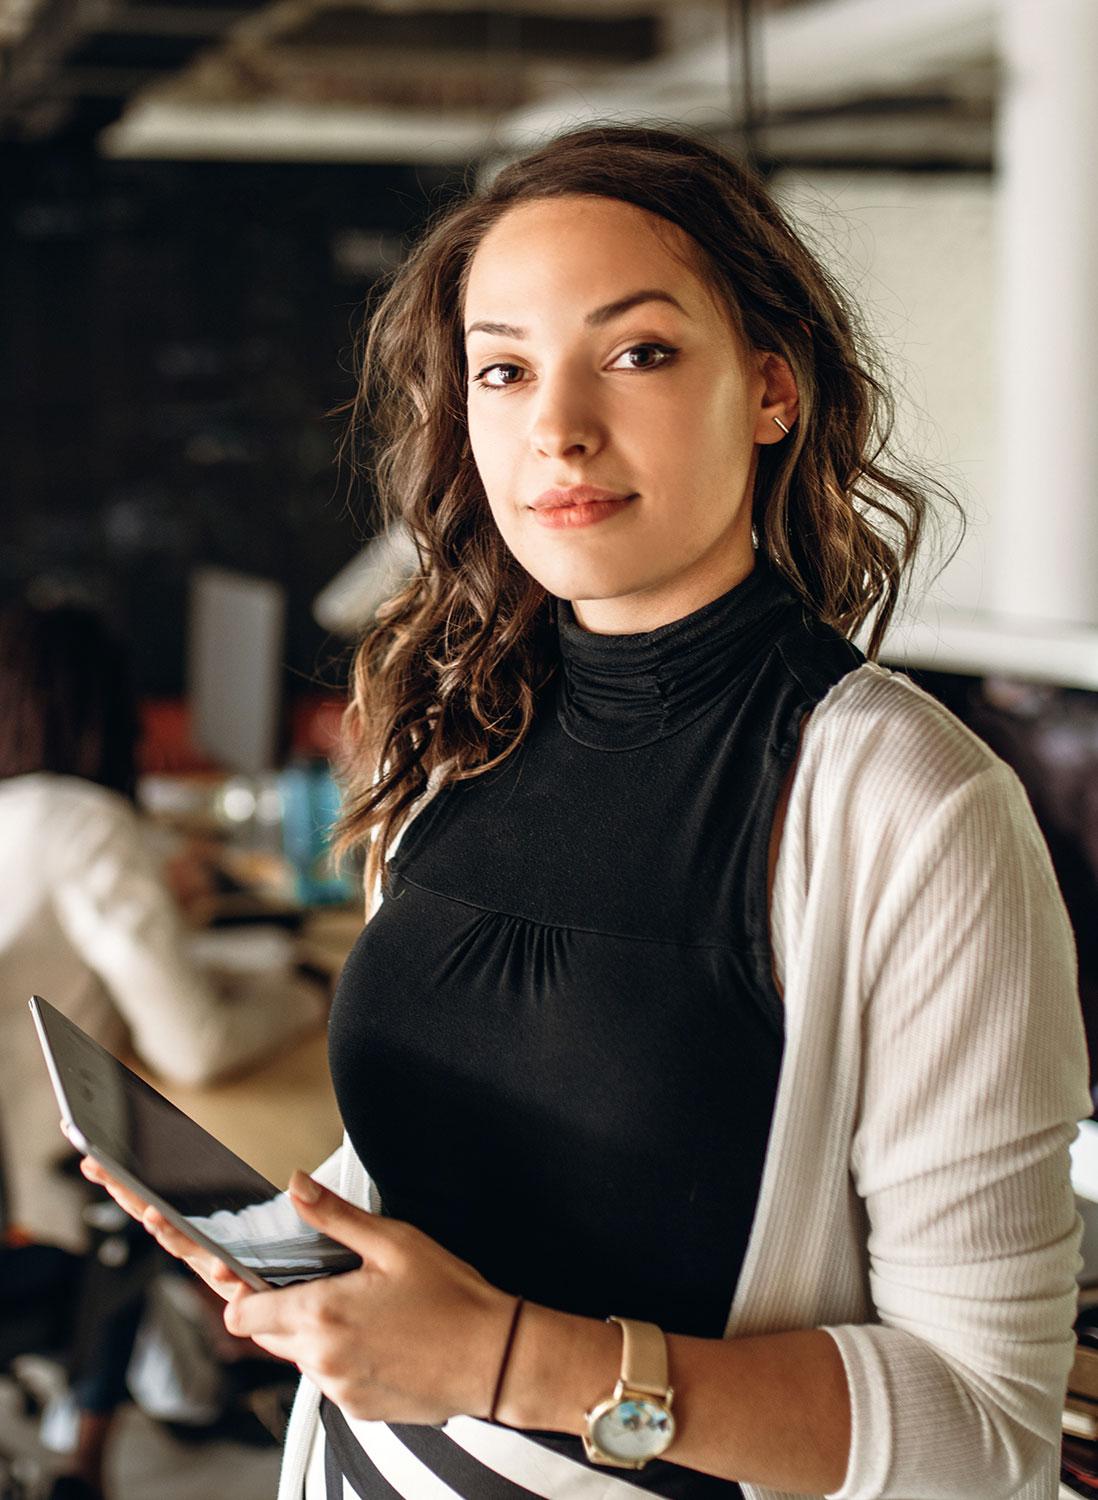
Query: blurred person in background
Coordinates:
[86,918]
[87,921]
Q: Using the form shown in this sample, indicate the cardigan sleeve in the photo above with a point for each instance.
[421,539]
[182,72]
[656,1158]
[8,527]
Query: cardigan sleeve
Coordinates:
[974,1073]
[121,920]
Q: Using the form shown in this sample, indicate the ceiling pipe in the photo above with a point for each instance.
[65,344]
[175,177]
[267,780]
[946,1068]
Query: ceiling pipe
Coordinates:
[810,55]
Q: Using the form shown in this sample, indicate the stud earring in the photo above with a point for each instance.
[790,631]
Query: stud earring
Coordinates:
[782,425]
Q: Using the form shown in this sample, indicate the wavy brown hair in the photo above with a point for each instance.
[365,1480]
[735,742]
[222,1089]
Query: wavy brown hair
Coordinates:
[445,681]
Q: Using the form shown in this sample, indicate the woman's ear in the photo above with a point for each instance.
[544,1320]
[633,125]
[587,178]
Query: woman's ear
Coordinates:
[778,399]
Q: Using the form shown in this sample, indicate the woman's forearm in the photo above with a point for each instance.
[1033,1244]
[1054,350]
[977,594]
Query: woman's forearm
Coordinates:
[772,1409]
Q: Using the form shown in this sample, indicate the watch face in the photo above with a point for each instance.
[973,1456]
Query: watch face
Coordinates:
[634,1429]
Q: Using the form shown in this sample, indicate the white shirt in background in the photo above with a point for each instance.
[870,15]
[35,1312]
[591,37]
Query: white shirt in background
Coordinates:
[87,923]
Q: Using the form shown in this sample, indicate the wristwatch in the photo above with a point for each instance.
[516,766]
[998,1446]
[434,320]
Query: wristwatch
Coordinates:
[635,1423]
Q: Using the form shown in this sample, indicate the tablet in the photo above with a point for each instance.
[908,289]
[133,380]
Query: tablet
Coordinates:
[161,1154]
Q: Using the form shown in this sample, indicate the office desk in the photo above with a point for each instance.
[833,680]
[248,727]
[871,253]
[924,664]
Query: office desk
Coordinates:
[281,1114]
[326,937]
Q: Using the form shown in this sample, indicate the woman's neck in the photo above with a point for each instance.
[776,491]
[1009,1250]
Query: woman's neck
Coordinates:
[666,601]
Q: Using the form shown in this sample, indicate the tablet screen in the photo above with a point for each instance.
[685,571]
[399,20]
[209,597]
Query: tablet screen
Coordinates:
[133,1125]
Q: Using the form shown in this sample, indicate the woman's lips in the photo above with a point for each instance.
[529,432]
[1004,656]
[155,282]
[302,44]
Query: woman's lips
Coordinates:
[581,505]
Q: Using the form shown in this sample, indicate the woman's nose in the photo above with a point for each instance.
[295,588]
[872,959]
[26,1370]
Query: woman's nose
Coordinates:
[565,419]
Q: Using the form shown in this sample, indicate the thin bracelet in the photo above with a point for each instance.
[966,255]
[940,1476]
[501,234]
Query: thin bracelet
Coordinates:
[508,1346]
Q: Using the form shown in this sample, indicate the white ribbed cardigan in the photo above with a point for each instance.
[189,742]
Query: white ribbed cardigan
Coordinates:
[916,1199]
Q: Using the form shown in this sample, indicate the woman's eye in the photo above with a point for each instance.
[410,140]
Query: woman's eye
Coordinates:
[499,376]
[484,377]
[651,356]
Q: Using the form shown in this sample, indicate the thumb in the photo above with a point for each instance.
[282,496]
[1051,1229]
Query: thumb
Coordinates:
[341,1220]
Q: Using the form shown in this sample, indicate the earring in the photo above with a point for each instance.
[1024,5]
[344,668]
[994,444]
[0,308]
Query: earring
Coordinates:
[782,425]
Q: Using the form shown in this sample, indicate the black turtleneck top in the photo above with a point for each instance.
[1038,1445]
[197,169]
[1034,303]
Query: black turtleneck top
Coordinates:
[556,1045]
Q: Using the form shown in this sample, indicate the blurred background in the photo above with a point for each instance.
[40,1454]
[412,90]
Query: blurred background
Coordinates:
[195,199]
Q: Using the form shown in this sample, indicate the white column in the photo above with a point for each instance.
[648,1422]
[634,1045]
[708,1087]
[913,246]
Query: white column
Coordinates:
[1045,517]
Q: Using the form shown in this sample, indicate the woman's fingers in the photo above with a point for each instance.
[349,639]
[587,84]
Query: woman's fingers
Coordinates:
[175,1242]
[222,1279]
[213,1271]
[211,1268]
[126,1199]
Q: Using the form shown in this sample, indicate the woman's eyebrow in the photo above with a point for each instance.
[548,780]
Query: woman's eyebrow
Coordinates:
[595,319]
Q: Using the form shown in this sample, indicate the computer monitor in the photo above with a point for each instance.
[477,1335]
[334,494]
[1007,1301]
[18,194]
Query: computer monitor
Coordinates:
[234,667]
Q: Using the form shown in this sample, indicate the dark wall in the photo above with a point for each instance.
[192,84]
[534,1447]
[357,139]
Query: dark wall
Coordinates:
[173,336]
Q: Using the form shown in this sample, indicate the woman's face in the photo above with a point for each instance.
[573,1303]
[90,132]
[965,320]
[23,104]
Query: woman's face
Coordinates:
[598,357]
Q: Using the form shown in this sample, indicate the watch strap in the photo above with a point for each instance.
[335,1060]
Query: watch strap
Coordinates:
[643,1357]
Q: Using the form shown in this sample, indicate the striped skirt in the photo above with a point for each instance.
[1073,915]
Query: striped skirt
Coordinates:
[468,1459]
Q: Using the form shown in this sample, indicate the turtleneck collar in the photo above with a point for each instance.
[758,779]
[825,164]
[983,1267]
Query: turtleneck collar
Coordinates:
[619,692]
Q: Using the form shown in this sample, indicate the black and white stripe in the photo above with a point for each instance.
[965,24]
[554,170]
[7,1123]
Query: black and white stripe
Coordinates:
[465,1460]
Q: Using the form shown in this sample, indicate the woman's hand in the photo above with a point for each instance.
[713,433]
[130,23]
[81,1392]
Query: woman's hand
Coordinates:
[212,1270]
[412,1335]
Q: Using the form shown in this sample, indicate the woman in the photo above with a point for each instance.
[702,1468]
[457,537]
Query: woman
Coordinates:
[720,983]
